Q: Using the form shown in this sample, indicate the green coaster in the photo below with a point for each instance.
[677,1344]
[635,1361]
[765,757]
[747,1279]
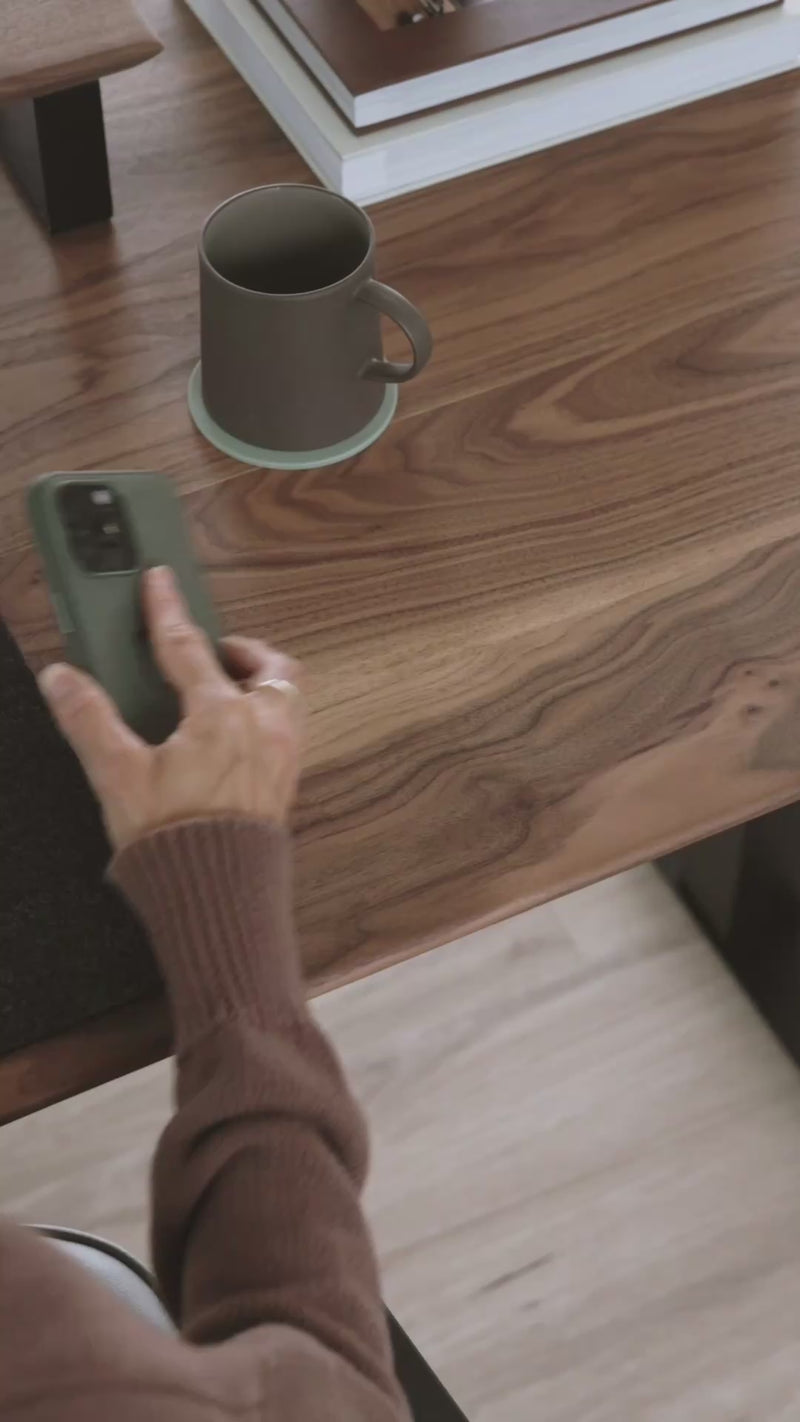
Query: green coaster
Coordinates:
[285,458]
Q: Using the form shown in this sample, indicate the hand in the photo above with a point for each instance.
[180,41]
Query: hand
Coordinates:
[236,751]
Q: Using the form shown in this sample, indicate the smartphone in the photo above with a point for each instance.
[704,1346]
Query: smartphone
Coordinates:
[96,534]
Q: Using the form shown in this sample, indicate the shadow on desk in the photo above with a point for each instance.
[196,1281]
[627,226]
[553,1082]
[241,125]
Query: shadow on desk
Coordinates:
[70,949]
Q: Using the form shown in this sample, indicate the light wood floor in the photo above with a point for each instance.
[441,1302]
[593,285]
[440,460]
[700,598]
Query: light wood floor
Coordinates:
[586,1184]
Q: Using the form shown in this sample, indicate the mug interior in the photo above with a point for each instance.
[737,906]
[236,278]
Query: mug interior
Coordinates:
[286,241]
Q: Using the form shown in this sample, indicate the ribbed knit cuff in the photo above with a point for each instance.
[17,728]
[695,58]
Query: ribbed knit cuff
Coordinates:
[215,897]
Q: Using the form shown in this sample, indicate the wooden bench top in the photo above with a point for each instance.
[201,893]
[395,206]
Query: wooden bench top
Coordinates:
[56,44]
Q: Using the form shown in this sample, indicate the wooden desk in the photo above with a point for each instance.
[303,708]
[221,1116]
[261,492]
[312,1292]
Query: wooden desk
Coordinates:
[552,621]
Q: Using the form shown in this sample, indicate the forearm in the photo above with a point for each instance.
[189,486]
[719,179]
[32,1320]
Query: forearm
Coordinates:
[256,1215]
[267,1173]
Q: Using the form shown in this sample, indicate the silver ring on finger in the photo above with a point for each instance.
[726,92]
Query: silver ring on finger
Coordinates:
[283,688]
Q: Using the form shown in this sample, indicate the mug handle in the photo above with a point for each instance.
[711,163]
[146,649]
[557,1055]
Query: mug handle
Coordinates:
[390,303]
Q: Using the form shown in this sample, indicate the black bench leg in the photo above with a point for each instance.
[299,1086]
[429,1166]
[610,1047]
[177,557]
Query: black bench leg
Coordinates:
[743,887]
[55,149]
[427,1397]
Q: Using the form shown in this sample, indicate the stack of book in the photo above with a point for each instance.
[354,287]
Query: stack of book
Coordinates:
[385,96]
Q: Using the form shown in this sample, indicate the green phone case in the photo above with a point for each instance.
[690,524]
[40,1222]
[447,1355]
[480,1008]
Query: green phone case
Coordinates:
[100,614]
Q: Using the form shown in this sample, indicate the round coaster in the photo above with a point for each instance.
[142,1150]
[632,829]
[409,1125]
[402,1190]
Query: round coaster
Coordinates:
[287,458]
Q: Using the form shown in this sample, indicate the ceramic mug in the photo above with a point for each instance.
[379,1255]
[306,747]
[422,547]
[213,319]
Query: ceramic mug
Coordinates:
[291,354]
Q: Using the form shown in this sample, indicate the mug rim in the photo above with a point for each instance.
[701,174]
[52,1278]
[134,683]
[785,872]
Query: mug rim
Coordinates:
[288,187]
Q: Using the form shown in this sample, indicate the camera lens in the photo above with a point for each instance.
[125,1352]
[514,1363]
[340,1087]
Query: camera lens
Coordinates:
[97,528]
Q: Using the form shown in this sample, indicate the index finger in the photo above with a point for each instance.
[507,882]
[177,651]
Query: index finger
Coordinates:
[185,657]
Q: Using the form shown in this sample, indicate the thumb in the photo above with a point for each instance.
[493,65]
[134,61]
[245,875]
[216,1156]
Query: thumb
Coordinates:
[89,720]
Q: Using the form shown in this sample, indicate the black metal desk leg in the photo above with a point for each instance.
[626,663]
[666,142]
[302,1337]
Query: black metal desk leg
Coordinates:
[428,1399]
[744,888]
[55,149]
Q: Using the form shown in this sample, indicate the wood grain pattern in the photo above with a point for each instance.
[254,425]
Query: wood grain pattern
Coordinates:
[551,619]
[56,44]
[555,1130]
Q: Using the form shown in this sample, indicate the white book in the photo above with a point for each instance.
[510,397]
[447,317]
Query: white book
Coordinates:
[384,103]
[430,148]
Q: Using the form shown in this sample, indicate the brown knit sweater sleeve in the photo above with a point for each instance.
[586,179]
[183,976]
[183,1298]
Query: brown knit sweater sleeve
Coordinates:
[257,1228]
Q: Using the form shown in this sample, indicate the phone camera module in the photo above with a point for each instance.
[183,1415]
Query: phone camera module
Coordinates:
[97,528]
